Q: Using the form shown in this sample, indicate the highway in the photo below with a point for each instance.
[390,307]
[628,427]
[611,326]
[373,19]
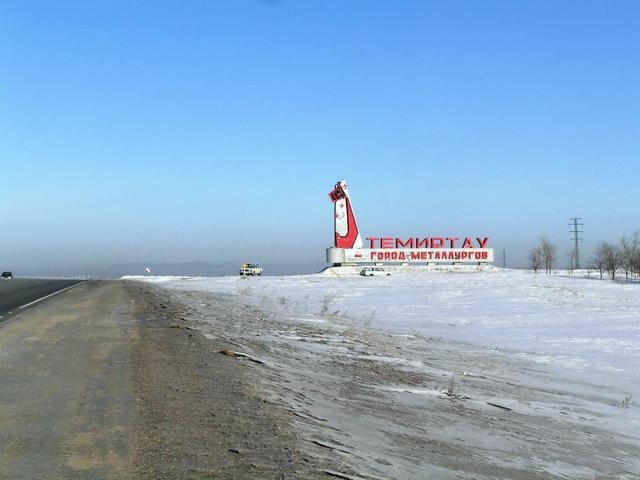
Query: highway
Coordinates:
[19,292]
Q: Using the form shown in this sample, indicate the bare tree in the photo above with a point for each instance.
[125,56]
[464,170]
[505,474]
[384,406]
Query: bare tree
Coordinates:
[548,254]
[598,258]
[612,258]
[635,260]
[629,250]
[535,258]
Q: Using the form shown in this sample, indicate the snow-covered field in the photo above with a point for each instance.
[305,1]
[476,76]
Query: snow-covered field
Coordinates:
[441,374]
[588,327]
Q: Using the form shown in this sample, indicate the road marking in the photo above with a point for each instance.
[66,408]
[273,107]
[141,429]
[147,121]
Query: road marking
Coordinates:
[50,295]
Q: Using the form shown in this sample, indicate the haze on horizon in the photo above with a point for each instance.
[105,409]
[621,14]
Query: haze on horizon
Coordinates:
[180,132]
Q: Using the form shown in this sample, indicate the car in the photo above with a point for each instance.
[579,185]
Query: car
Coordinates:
[6,275]
[373,271]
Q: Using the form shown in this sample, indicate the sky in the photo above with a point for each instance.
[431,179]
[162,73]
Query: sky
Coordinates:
[197,131]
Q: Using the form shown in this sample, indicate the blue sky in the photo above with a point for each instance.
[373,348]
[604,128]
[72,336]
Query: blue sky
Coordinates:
[162,131]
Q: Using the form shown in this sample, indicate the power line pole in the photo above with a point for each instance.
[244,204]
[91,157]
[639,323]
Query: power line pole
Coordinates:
[504,258]
[577,235]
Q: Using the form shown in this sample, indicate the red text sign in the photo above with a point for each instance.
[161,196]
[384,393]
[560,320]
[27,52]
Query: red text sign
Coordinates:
[427,242]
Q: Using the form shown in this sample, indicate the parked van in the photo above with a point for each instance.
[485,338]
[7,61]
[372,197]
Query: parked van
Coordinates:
[373,271]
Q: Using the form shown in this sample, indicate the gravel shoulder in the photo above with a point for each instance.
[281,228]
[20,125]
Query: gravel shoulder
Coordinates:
[65,404]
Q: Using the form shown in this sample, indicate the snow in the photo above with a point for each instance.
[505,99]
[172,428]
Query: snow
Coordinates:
[558,354]
[587,325]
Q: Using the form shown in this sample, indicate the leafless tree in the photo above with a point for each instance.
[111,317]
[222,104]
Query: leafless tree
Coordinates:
[535,258]
[598,259]
[635,260]
[612,258]
[629,252]
[548,251]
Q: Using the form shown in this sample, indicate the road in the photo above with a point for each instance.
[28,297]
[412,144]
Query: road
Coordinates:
[66,402]
[18,293]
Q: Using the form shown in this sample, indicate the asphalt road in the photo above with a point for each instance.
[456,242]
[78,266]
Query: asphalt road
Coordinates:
[17,293]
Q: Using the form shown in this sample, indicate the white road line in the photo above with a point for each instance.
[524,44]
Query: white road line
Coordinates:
[50,295]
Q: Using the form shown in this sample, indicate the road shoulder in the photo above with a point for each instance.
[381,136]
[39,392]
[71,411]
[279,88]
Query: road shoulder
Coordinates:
[65,403]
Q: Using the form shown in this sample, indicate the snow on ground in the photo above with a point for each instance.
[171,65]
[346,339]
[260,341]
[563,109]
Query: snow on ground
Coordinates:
[586,327]
[441,374]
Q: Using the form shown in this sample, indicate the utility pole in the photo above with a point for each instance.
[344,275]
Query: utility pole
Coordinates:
[504,258]
[577,235]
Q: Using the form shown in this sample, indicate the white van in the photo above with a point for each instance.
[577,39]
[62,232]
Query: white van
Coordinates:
[372,271]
